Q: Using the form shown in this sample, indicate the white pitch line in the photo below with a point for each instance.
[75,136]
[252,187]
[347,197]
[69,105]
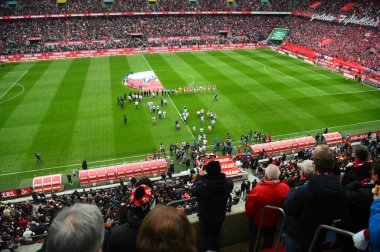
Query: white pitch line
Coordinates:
[171,100]
[22,91]
[325,76]
[266,70]
[70,165]
[113,159]
[297,80]
[354,92]
[290,77]
[1,97]
[310,69]
[191,133]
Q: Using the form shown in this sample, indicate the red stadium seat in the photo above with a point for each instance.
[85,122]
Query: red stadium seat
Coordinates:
[111,173]
[83,177]
[120,171]
[101,174]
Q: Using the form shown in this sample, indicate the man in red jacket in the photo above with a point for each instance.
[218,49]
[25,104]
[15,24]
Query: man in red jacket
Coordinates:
[270,192]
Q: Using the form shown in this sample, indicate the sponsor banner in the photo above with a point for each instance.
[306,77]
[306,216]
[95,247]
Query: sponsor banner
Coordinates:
[366,21]
[96,53]
[182,38]
[371,82]
[359,137]
[292,56]
[16,193]
[147,13]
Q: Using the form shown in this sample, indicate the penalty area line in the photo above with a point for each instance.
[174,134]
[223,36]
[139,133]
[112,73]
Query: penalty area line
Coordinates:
[14,83]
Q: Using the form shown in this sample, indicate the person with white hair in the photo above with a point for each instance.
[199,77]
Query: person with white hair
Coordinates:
[77,229]
[307,169]
[269,192]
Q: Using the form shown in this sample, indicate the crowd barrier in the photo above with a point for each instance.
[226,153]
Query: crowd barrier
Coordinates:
[283,146]
[109,174]
[50,183]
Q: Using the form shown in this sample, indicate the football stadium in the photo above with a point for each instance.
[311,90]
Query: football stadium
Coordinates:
[257,121]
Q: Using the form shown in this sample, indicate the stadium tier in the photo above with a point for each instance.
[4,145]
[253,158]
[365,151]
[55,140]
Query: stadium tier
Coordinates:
[182,74]
[346,42]
[344,7]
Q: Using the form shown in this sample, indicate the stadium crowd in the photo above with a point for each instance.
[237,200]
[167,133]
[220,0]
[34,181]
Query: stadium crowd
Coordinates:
[29,7]
[353,43]
[15,34]
[24,223]
[360,8]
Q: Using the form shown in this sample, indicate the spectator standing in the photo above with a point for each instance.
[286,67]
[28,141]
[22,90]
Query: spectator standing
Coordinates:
[374,220]
[243,188]
[166,229]
[320,201]
[358,200]
[307,169]
[77,229]
[123,237]
[84,164]
[69,179]
[361,168]
[270,192]
[212,191]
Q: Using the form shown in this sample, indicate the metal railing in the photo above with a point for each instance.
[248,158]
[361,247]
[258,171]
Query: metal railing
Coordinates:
[277,240]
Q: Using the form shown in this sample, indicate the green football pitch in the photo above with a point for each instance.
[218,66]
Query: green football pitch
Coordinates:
[67,109]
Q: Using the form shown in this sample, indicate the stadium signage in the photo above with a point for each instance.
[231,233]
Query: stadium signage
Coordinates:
[16,193]
[323,17]
[347,20]
[362,21]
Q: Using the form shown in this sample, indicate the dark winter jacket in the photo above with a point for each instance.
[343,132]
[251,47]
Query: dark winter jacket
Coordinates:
[318,201]
[358,199]
[212,192]
[357,173]
[123,237]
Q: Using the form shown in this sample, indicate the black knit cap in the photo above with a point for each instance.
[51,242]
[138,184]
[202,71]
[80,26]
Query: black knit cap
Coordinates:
[213,168]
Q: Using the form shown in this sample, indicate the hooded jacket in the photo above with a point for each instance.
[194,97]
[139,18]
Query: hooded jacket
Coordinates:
[318,201]
[357,172]
[212,192]
[123,237]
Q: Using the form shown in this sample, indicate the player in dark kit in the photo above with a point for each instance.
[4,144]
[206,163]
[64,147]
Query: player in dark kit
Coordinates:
[38,157]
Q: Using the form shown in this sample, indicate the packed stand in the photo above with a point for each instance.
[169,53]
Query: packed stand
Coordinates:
[361,8]
[29,7]
[24,223]
[352,43]
[15,33]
